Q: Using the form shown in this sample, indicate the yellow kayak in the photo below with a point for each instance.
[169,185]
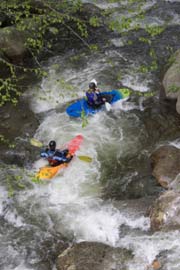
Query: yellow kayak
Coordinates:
[48,172]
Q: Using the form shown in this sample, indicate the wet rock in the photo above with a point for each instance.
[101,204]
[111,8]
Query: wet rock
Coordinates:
[165,164]
[165,213]
[171,80]
[18,125]
[156,265]
[131,176]
[93,255]
[172,77]
[12,42]
[161,261]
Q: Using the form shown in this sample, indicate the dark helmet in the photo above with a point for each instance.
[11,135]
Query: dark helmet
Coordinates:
[92,85]
[52,145]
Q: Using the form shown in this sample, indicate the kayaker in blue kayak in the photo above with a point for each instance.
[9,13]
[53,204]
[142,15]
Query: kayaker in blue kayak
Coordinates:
[94,97]
[55,157]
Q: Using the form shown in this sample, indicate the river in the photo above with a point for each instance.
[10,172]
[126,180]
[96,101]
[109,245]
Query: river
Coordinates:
[71,207]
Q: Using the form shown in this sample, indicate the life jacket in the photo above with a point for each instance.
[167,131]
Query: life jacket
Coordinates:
[60,157]
[47,153]
[93,98]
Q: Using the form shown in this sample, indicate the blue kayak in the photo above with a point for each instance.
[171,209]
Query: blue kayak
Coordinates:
[81,106]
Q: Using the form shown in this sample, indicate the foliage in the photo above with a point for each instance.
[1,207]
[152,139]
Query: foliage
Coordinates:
[154,30]
[174,88]
[36,180]
[35,21]
[40,22]
[94,21]
[134,20]
[14,182]
[5,141]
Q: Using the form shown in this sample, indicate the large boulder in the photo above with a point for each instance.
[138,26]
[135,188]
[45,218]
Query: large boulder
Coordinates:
[12,44]
[92,255]
[165,213]
[171,80]
[18,125]
[165,163]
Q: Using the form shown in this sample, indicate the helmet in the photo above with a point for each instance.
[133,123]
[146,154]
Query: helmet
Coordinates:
[52,145]
[94,81]
[92,85]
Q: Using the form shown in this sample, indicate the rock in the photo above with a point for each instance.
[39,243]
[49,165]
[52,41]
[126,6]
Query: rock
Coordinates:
[18,125]
[165,163]
[178,103]
[92,255]
[12,43]
[171,80]
[156,264]
[131,176]
[165,213]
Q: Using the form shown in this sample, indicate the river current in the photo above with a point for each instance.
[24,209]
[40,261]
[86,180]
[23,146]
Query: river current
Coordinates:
[71,206]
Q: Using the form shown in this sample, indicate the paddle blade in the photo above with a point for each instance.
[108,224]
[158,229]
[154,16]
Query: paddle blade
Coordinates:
[35,142]
[85,158]
[107,106]
[125,92]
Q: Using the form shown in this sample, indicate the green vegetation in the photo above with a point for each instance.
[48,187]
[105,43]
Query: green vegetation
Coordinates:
[14,183]
[36,180]
[37,24]
[174,88]
[5,141]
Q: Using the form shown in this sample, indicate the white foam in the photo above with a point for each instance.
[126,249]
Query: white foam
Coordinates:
[176,143]
[145,248]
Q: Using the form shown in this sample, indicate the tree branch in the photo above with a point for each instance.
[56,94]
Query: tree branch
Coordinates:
[67,26]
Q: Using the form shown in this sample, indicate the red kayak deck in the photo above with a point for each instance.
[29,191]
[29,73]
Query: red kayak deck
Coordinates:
[48,172]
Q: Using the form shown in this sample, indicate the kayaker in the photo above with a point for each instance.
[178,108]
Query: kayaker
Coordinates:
[55,156]
[94,97]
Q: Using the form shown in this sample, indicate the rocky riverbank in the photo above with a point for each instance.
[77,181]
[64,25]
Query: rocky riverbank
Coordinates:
[145,167]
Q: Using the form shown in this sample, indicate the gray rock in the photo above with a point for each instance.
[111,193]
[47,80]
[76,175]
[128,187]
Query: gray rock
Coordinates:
[12,43]
[92,255]
[171,80]
[18,124]
[165,164]
[165,213]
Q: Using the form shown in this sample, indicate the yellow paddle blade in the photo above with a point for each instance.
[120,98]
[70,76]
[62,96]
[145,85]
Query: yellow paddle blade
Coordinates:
[125,92]
[35,142]
[85,158]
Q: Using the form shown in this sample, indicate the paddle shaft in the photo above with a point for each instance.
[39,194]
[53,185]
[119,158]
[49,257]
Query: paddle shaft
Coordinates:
[39,144]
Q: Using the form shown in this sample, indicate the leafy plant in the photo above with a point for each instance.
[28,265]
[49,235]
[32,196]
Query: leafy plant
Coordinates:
[34,21]
[14,182]
[174,88]
[6,141]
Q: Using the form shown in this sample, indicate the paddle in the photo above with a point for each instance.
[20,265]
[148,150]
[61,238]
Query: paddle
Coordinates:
[37,143]
[107,106]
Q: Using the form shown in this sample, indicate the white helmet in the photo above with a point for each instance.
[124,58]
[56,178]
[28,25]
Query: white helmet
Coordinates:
[94,81]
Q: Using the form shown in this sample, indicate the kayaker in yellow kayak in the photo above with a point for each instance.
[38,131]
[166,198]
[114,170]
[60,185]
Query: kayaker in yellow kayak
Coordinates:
[55,156]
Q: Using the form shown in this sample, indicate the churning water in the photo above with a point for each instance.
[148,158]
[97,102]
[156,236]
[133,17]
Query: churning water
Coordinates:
[37,218]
